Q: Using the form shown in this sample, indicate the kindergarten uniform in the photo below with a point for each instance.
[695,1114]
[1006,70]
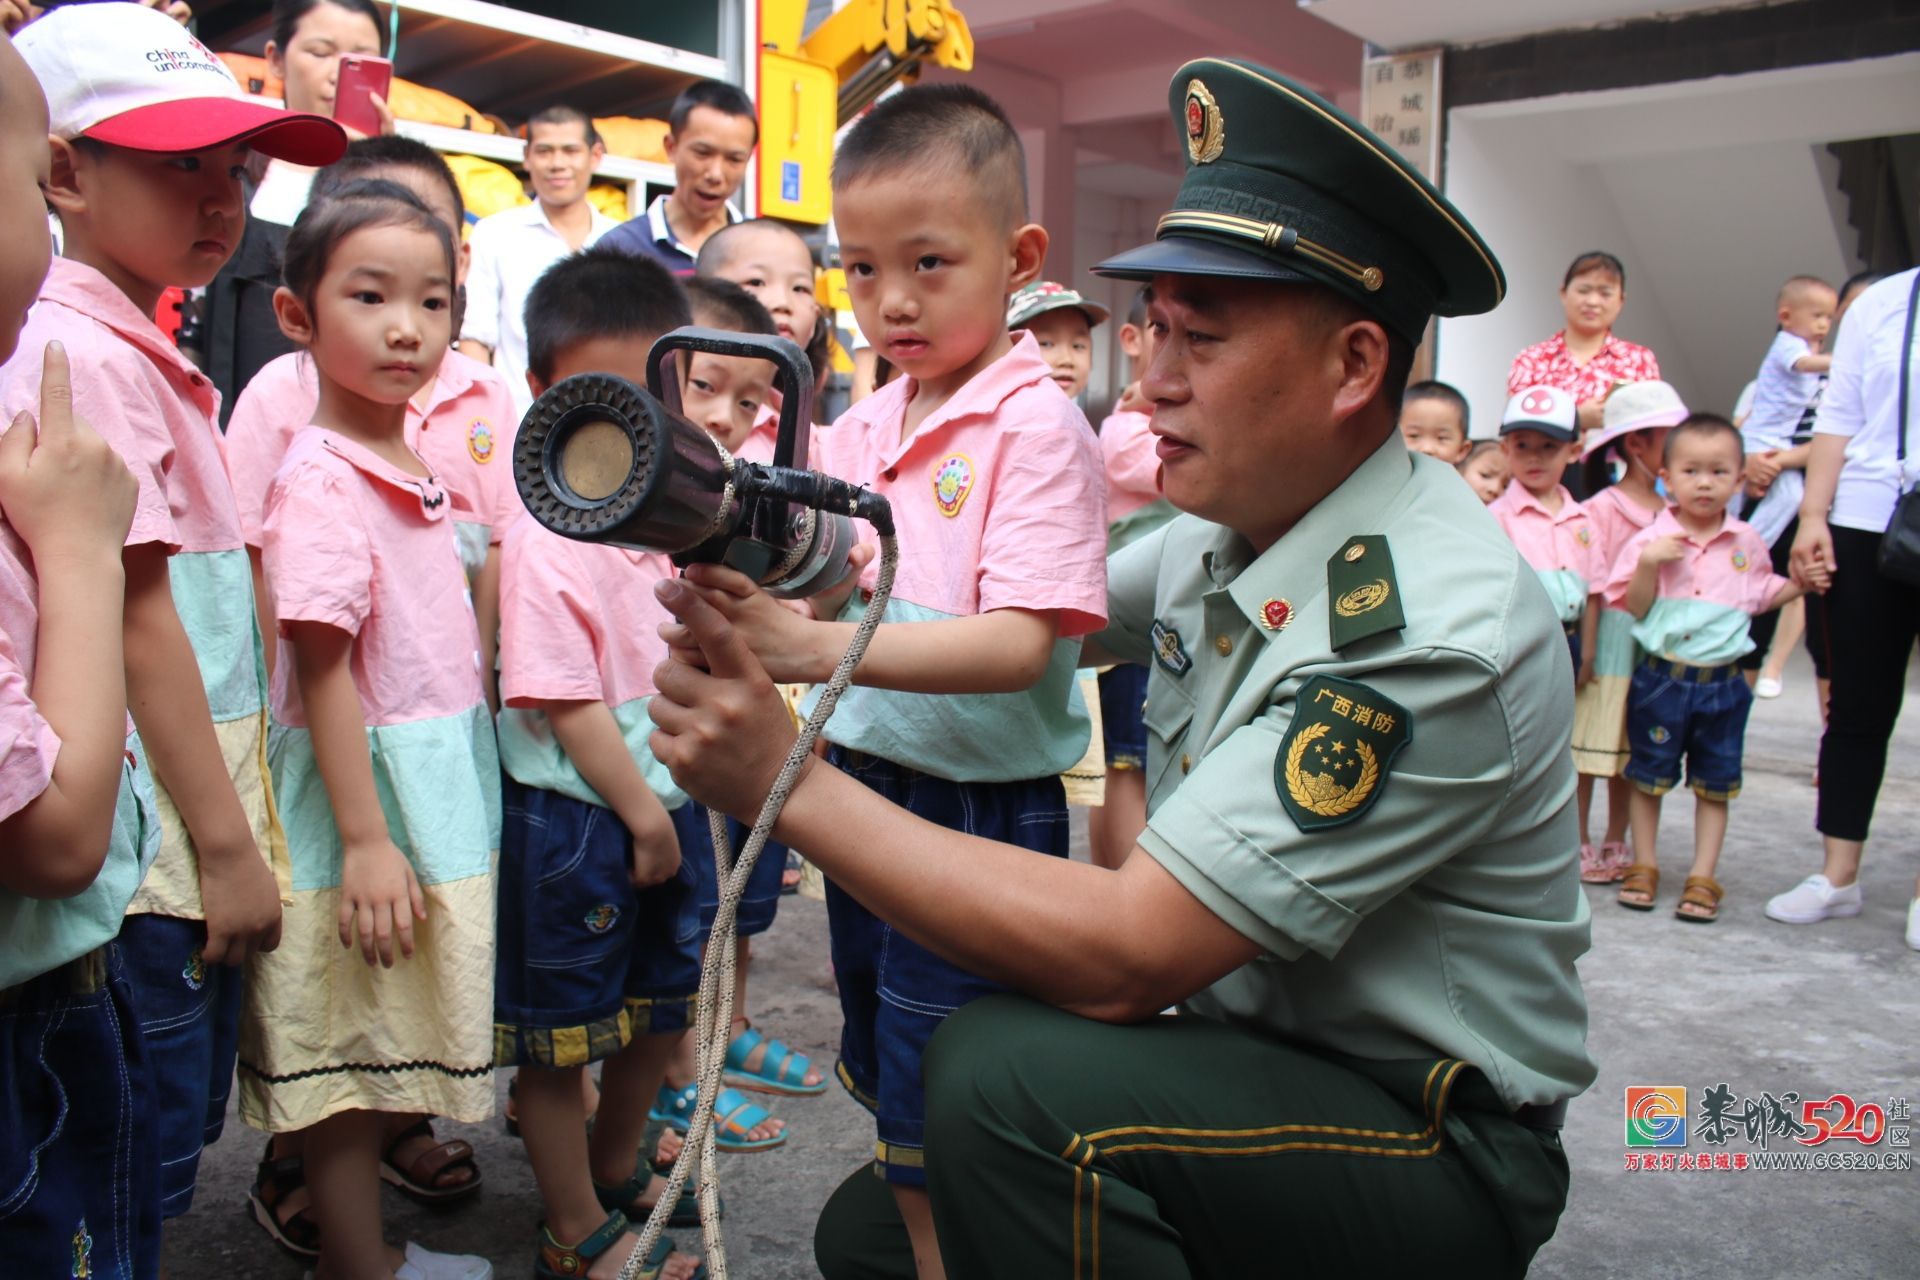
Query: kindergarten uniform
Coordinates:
[1560,547]
[586,961]
[1600,706]
[464,431]
[1688,695]
[998,501]
[79,1153]
[157,411]
[354,542]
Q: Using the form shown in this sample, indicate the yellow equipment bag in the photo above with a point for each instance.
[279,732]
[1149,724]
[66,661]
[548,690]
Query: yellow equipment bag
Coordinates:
[486,187]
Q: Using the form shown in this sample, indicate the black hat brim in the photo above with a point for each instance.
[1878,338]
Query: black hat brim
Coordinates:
[1177,255]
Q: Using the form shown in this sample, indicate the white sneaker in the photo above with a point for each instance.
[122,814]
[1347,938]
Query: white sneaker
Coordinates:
[1913,925]
[1767,687]
[425,1264]
[1813,900]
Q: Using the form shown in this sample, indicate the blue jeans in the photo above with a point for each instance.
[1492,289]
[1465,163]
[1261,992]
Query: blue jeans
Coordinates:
[1675,710]
[894,993]
[1123,701]
[190,1016]
[762,897]
[583,961]
[79,1158]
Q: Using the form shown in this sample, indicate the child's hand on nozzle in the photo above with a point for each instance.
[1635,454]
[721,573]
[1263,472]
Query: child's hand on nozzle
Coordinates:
[379,899]
[1663,550]
[63,488]
[827,605]
[656,856]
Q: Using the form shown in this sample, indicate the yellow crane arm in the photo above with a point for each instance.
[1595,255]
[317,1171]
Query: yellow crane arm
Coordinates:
[871,44]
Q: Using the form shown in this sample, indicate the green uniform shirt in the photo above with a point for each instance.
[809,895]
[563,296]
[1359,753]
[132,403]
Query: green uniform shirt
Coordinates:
[1441,917]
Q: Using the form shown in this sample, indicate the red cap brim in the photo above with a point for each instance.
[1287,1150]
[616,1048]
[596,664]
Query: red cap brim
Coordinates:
[199,124]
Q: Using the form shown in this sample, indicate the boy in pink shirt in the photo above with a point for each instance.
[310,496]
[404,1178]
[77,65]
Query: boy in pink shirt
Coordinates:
[79,1161]
[1695,577]
[149,136]
[730,397]
[1539,436]
[961,709]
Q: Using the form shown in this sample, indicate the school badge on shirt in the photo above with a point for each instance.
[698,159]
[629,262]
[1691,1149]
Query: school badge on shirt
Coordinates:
[480,440]
[952,482]
[1334,761]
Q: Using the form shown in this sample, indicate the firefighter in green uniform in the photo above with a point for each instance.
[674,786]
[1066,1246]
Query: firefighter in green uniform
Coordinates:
[1358,880]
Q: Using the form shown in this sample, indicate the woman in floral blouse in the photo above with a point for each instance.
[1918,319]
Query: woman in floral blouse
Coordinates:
[1585,359]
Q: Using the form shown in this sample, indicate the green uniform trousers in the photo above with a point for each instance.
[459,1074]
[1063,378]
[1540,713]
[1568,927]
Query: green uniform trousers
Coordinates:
[1061,1147]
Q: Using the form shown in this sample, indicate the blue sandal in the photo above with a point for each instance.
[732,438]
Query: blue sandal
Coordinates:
[624,1197]
[781,1069]
[733,1117]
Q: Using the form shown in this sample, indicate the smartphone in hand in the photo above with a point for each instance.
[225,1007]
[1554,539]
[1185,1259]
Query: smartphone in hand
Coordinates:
[361,76]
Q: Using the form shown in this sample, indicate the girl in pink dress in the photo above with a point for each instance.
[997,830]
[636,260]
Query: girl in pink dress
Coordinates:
[379,999]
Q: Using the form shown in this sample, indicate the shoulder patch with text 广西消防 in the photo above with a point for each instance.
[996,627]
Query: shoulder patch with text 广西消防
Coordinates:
[1337,753]
[1364,593]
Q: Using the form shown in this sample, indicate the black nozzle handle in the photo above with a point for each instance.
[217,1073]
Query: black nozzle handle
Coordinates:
[793,375]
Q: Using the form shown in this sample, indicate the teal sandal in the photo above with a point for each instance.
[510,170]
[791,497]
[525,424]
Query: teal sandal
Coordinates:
[733,1117]
[625,1198]
[781,1069]
[557,1261]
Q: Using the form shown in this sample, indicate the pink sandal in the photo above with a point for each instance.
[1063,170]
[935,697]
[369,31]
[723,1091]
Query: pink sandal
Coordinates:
[1594,868]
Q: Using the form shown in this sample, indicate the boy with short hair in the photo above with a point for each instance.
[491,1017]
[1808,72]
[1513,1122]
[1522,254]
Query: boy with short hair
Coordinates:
[1540,437]
[769,260]
[1694,578]
[1777,435]
[131,93]
[1433,421]
[995,484]
[78,1154]
[598,949]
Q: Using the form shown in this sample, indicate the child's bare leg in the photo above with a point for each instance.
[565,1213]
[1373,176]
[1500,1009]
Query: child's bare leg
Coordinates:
[1646,829]
[553,1122]
[1121,819]
[917,1211]
[343,1175]
[1709,834]
[1583,804]
[1619,808]
[628,1082]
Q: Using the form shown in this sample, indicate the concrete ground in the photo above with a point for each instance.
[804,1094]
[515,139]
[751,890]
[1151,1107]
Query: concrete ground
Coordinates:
[1820,1010]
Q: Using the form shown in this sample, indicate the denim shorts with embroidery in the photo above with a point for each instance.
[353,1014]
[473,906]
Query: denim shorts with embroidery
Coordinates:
[1674,710]
[189,1012]
[583,960]
[761,900]
[894,994]
[79,1155]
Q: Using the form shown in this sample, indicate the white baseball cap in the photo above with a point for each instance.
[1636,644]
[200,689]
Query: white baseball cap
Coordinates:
[129,76]
[1637,406]
[1548,410]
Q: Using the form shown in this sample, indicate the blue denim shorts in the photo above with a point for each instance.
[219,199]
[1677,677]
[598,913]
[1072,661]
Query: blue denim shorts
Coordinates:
[190,1016]
[762,898]
[583,961]
[894,994]
[79,1153]
[1675,710]
[1123,701]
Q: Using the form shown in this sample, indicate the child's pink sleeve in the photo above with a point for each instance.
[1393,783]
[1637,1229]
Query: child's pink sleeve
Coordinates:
[1765,584]
[1045,542]
[319,561]
[549,629]
[1624,565]
[502,506]
[28,743]
[257,437]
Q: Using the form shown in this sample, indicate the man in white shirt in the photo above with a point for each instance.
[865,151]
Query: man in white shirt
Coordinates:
[514,248]
[711,135]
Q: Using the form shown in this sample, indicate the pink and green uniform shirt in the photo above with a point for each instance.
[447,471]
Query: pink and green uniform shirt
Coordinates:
[44,933]
[1561,546]
[1000,503]
[148,401]
[1704,605]
[578,623]
[464,430]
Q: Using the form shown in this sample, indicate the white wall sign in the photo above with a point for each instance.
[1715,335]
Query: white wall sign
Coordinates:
[1400,102]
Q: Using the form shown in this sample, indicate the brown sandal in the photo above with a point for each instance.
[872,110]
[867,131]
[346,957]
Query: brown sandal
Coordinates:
[1643,878]
[424,1179]
[1703,892]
